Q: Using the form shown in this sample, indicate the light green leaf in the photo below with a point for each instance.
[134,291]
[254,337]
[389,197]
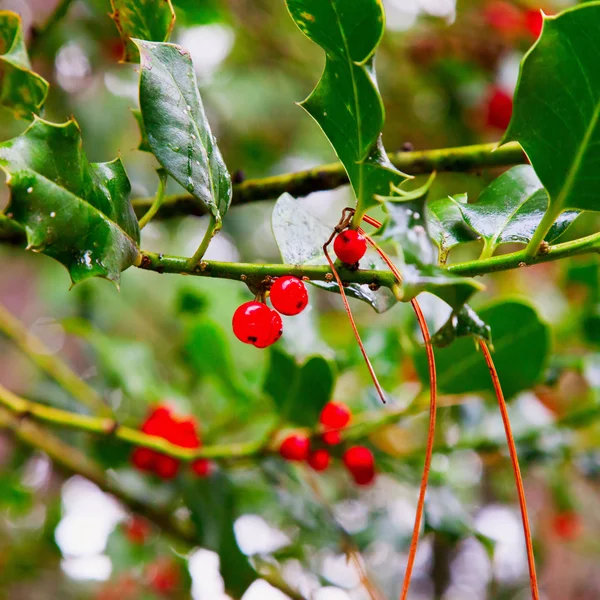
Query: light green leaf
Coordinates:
[300,237]
[446,225]
[22,90]
[521,341]
[77,212]
[346,103]
[150,20]
[556,115]
[177,128]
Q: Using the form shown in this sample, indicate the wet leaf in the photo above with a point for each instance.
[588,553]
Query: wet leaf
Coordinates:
[346,103]
[77,212]
[556,115]
[521,348]
[150,20]
[177,129]
[462,323]
[22,90]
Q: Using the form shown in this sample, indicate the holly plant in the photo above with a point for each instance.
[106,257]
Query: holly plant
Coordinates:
[196,402]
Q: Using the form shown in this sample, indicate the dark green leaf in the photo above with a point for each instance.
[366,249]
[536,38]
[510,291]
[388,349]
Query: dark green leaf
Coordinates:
[510,209]
[144,145]
[556,114]
[446,225]
[300,237]
[300,393]
[346,102]
[212,505]
[74,211]
[150,20]
[22,90]
[177,128]
[462,323]
[521,346]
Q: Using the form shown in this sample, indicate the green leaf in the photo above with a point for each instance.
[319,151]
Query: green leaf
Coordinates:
[177,128]
[150,20]
[300,392]
[462,323]
[510,209]
[212,505]
[521,348]
[446,225]
[144,145]
[300,237]
[22,90]
[556,115]
[77,212]
[346,103]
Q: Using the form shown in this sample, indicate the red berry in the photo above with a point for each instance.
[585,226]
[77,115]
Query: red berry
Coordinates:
[361,464]
[164,576]
[295,447]
[567,525]
[534,22]
[137,530]
[143,459]
[504,17]
[289,295]
[202,467]
[499,108]
[166,467]
[319,460]
[184,433]
[253,323]
[158,421]
[276,329]
[350,246]
[335,415]
[332,438]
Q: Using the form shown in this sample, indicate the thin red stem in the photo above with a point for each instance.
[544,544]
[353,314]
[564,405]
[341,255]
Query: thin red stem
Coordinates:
[432,412]
[516,468]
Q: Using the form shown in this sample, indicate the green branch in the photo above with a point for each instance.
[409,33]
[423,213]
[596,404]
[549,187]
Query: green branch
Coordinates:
[53,366]
[328,177]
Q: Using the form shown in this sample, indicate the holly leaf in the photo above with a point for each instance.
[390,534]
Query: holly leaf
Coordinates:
[144,145]
[150,20]
[521,349]
[346,103]
[22,91]
[300,237]
[556,116]
[299,392]
[77,212]
[446,225]
[463,322]
[177,128]
[510,209]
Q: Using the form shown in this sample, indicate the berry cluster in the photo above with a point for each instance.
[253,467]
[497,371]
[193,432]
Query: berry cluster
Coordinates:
[181,431]
[257,324]
[334,417]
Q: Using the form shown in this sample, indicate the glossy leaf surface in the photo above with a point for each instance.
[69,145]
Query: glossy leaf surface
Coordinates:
[150,20]
[22,90]
[176,126]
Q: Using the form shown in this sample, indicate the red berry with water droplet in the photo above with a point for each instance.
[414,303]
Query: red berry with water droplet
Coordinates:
[295,448]
[254,323]
[350,246]
[319,460]
[289,295]
[361,464]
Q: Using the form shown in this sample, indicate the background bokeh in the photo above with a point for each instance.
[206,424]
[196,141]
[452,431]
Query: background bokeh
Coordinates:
[447,71]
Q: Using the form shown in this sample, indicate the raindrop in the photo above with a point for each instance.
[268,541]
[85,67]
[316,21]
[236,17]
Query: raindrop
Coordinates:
[29,190]
[52,215]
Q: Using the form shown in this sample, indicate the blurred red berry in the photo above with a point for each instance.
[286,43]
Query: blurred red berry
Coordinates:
[202,467]
[534,22]
[143,459]
[361,464]
[504,17]
[349,246]
[319,460]
[137,530]
[289,295]
[164,576]
[499,108]
[166,467]
[332,438]
[567,525]
[295,447]
[335,415]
